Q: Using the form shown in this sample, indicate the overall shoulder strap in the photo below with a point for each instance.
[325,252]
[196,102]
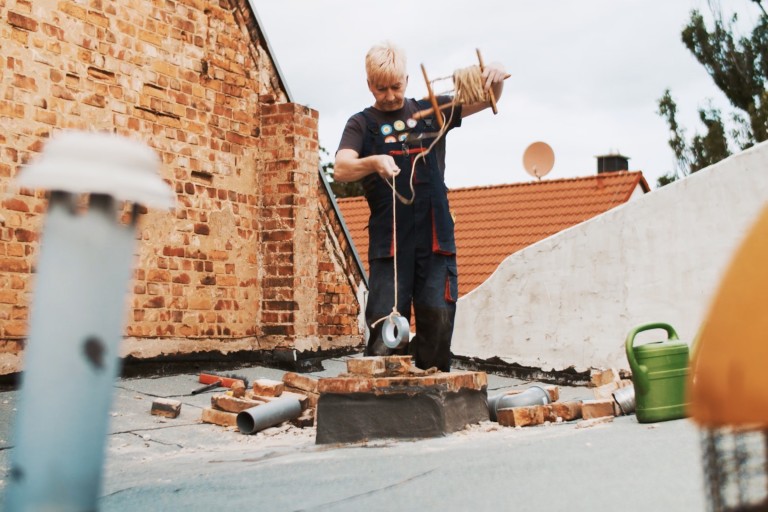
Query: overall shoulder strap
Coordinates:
[371,133]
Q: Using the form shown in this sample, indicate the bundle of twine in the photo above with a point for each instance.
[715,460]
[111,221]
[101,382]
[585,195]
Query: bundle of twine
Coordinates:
[468,83]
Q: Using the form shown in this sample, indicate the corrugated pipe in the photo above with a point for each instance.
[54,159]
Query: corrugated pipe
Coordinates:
[534,395]
[268,415]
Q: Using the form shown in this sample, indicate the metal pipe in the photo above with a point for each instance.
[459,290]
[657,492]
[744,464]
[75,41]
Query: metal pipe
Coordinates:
[535,395]
[76,326]
[268,415]
[625,397]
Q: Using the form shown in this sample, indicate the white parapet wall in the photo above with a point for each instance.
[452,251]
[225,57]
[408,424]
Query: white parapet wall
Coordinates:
[570,300]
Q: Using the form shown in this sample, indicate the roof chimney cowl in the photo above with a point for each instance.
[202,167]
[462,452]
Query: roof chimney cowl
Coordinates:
[612,162]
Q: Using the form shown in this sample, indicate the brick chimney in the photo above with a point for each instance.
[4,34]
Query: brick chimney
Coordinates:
[612,162]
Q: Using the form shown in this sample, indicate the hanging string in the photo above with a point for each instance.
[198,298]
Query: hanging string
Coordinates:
[394,252]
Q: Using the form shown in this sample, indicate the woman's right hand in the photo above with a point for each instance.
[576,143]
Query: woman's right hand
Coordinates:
[385,166]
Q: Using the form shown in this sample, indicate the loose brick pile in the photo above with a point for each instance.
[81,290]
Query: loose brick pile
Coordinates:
[226,406]
[395,374]
[603,407]
[380,376]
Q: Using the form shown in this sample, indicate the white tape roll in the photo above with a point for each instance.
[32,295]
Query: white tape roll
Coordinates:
[395,332]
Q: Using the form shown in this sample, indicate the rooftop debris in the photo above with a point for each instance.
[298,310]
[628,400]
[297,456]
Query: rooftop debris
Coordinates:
[226,406]
[388,397]
[166,407]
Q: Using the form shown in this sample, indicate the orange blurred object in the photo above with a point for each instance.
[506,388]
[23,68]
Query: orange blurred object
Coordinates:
[728,379]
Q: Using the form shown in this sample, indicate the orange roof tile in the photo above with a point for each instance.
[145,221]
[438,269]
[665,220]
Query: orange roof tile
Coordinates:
[495,221]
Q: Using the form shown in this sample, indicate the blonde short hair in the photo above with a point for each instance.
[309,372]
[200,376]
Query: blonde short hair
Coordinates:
[385,62]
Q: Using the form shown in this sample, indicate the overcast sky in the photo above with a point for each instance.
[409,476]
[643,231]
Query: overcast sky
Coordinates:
[586,75]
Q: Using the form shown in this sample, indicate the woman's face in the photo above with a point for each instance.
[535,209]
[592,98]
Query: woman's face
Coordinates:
[389,94]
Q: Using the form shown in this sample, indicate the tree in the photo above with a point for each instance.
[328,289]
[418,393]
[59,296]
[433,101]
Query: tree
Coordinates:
[339,189]
[739,68]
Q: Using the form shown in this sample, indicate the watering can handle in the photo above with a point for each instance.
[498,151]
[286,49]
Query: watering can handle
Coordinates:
[633,364]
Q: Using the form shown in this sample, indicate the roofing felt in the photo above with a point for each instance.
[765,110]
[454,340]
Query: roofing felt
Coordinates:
[495,221]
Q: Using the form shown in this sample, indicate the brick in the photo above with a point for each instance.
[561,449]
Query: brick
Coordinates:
[15,328]
[300,396]
[521,416]
[568,411]
[23,22]
[597,408]
[301,382]
[602,377]
[548,412]
[366,366]
[268,387]
[605,391]
[453,381]
[166,407]
[224,402]
[8,297]
[223,418]
[73,10]
[14,265]
[238,389]
[397,365]
[554,393]
[16,204]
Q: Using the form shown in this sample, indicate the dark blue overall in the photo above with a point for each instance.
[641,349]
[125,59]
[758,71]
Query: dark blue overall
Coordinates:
[427,278]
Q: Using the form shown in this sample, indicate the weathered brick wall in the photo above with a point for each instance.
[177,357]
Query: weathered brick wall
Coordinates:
[339,310]
[245,261]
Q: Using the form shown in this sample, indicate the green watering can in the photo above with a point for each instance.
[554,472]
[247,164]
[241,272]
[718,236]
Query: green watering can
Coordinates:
[659,373]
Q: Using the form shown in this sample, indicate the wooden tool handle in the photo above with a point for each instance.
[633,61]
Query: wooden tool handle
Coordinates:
[207,387]
[491,96]
[432,99]
[207,378]
[421,114]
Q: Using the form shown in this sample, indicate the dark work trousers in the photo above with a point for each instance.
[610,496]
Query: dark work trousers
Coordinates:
[426,280]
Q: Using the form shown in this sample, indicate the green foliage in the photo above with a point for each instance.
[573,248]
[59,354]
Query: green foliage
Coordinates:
[347,189]
[339,189]
[739,68]
[713,146]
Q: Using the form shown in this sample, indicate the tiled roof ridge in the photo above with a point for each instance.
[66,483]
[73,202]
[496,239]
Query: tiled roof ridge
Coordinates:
[350,199]
[608,175]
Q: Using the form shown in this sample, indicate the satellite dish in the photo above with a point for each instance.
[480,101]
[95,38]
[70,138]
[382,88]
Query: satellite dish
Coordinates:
[538,159]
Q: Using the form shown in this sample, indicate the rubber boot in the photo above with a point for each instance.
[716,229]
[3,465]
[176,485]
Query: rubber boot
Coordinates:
[431,346]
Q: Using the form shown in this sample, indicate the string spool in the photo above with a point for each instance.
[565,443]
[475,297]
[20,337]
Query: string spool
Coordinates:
[468,89]
[468,85]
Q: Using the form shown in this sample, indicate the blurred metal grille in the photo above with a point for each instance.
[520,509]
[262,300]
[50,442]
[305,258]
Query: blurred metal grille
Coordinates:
[736,469]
